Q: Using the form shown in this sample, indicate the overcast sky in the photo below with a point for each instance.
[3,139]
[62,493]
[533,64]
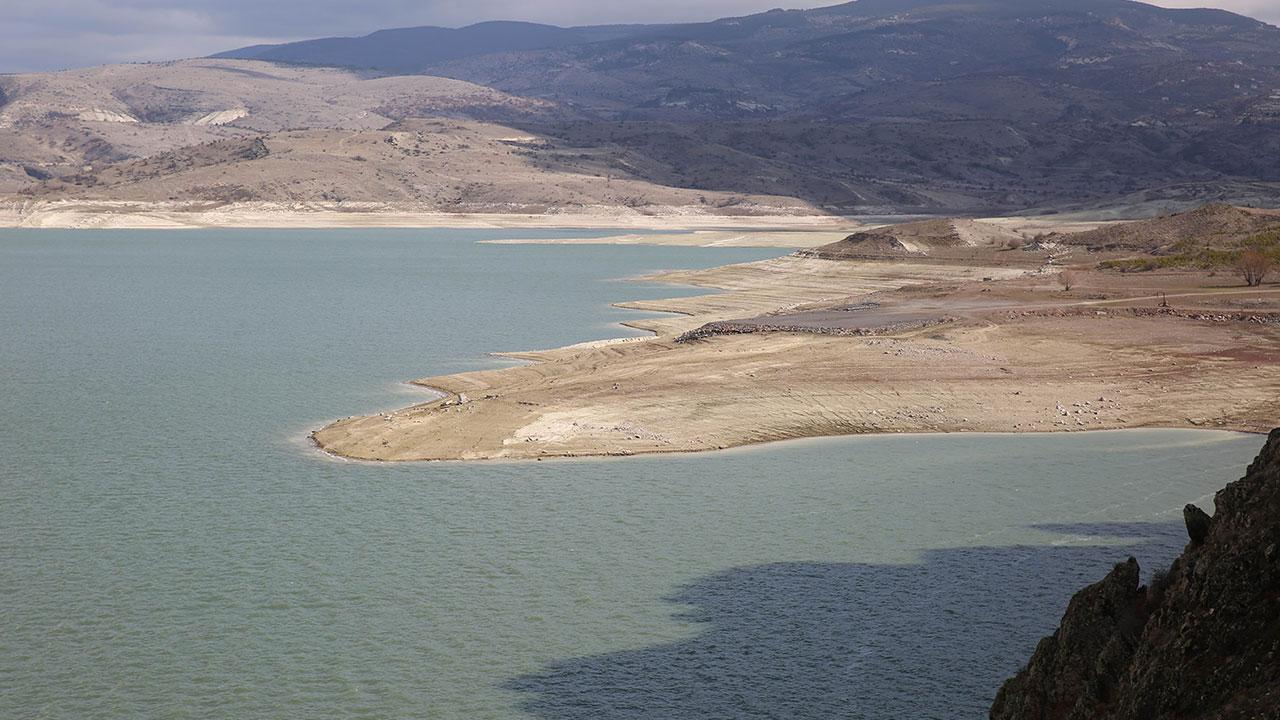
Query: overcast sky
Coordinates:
[55,34]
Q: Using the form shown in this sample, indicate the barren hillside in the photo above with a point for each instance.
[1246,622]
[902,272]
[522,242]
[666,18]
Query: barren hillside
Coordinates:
[924,237]
[218,131]
[875,107]
[1215,226]
[442,164]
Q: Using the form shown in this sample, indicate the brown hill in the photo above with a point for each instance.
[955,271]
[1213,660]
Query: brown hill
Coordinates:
[55,124]
[1203,641]
[1217,226]
[916,238]
[429,165]
[218,131]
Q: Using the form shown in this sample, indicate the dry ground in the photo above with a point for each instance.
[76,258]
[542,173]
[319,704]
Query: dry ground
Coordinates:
[1016,354]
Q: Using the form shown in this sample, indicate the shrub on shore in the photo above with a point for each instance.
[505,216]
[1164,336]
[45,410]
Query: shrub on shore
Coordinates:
[1253,266]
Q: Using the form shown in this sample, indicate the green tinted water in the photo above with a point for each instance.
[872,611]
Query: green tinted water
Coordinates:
[171,548]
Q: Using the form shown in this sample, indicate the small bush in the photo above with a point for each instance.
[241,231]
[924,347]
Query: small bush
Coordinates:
[1254,265]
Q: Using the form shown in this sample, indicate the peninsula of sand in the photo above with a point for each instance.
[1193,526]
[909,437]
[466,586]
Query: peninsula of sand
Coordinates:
[937,326]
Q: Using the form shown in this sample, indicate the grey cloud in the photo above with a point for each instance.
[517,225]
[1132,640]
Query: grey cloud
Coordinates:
[55,34]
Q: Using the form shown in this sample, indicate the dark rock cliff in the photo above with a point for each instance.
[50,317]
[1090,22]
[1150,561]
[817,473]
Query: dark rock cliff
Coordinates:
[1203,641]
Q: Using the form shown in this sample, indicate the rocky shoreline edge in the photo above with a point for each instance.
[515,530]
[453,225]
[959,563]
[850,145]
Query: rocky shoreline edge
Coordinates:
[1201,640]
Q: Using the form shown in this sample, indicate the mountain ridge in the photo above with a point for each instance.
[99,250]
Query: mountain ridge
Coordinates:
[937,107]
[1008,103]
[412,49]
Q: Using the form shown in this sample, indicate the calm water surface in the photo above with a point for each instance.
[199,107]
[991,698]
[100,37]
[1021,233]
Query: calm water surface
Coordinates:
[171,548]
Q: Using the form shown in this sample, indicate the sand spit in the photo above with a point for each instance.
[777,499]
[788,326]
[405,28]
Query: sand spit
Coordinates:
[1012,352]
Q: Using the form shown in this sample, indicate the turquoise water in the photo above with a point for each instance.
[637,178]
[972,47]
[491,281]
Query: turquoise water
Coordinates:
[170,547]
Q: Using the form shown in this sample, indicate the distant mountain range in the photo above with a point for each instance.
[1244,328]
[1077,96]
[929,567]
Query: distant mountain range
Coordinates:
[1041,60]
[890,103]
[870,107]
[413,50]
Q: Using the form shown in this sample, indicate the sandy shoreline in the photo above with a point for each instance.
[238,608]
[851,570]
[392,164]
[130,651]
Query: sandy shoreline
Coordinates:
[977,364]
[662,225]
[640,421]
[70,214]
[313,445]
[992,369]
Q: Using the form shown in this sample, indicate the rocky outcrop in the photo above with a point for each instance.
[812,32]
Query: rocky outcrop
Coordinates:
[1215,316]
[918,238]
[1198,522]
[255,150]
[860,246]
[1074,670]
[1203,641]
[751,327]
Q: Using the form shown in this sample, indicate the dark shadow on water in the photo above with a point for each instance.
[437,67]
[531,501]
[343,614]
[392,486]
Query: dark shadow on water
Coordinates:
[831,640]
[1133,530]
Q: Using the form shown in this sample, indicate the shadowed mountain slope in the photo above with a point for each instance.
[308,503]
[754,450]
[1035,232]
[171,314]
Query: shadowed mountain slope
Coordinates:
[1015,59]
[905,105]
[938,107]
[413,49]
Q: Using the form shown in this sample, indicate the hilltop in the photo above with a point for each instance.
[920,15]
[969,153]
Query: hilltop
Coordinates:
[919,238]
[413,50]
[1215,226]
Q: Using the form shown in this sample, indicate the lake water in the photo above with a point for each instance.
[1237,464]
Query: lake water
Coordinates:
[170,547]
